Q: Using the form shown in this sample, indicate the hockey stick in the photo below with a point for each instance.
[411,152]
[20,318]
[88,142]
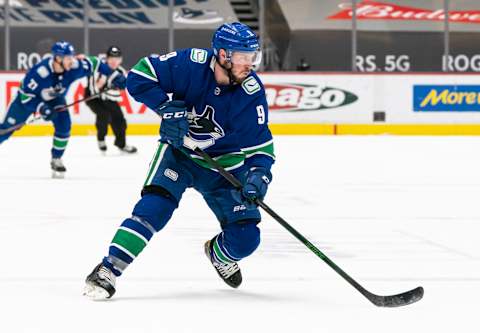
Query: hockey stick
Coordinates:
[405,298]
[34,119]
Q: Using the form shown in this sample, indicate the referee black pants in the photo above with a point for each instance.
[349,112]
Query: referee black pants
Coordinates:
[109,113]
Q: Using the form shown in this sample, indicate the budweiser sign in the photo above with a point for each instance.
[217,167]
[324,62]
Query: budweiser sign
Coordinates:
[372,10]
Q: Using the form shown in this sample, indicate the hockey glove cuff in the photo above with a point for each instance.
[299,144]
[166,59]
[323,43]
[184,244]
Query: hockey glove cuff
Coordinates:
[255,187]
[47,113]
[174,124]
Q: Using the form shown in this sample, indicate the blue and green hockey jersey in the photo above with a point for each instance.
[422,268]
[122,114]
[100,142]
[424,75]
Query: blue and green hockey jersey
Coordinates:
[230,122]
[42,85]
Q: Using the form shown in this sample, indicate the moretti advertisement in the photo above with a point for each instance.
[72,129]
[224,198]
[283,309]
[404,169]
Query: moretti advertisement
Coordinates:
[328,99]
[446,98]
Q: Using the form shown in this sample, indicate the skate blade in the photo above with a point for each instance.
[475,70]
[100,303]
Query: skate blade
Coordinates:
[123,152]
[95,293]
[126,152]
[58,175]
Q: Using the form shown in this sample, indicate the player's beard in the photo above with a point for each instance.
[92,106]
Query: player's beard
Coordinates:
[243,74]
[231,72]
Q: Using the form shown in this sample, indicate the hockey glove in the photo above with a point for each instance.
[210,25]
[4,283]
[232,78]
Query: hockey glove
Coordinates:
[47,113]
[255,187]
[174,124]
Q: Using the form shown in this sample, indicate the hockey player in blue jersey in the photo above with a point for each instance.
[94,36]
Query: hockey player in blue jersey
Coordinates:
[43,90]
[218,103]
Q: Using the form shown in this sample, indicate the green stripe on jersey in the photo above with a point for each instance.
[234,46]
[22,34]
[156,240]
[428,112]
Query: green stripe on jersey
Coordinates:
[145,69]
[95,63]
[228,161]
[129,241]
[157,158]
[24,98]
[263,149]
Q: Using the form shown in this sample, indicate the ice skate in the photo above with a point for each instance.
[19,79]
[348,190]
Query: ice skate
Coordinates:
[230,273]
[102,145]
[58,168]
[100,284]
[128,149]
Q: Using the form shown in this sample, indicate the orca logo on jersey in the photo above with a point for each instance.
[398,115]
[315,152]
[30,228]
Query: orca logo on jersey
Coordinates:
[51,93]
[205,125]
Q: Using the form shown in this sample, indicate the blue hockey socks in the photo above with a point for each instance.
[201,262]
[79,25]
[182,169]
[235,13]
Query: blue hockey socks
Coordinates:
[149,216]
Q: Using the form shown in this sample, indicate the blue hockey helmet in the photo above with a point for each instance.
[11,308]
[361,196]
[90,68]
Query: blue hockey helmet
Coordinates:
[62,49]
[236,37]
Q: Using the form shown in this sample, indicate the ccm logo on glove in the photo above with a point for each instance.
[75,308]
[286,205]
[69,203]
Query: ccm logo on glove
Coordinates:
[170,115]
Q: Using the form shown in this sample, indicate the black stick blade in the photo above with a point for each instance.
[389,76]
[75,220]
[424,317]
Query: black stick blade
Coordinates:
[393,301]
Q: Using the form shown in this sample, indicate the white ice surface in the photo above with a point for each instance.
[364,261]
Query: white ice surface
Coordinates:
[394,212]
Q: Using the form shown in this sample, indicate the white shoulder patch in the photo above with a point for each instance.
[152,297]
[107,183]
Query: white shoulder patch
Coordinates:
[198,56]
[76,64]
[42,71]
[251,85]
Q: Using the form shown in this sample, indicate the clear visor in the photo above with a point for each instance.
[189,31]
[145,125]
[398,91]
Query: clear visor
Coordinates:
[67,57]
[246,58]
[67,60]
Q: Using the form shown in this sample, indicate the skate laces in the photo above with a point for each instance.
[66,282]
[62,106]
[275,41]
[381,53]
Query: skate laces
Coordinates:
[226,270]
[57,162]
[105,274]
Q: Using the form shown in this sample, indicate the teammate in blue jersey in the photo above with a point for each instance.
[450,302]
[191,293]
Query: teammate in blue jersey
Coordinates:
[218,103]
[43,90]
